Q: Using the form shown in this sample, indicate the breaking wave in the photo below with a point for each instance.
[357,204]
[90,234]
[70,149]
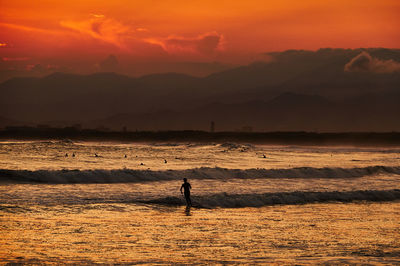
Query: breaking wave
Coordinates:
[132,176]
[225,200]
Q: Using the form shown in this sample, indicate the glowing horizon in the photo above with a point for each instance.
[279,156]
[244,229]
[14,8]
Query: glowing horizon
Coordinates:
[80,34]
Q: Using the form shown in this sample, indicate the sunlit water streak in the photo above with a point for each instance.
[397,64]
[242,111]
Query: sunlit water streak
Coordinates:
[141,221]
[50,155]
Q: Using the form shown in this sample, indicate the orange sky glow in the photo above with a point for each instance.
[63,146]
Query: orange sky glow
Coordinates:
[78,34]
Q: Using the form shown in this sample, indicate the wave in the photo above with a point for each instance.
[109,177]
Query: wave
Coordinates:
[132,176]
[40,142]
[236,146]
[224,200]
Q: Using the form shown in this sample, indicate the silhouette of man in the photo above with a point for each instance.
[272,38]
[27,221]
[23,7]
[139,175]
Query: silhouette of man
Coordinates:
[186,187]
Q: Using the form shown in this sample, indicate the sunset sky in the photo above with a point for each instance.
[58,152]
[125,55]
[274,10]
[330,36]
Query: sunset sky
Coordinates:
[78,35]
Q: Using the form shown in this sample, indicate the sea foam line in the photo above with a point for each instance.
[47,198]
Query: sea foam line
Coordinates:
[224,200]
[135,176]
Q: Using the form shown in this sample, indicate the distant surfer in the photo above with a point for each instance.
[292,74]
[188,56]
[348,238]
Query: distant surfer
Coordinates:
[66,155]
[186,187]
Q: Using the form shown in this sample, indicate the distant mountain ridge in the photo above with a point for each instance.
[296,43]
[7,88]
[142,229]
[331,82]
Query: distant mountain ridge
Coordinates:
[286,112]
[296,90]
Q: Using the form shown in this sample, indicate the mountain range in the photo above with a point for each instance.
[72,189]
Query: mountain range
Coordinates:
[324,90]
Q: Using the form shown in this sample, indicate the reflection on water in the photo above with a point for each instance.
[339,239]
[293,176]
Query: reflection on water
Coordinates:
[128,233]
[50,155]
[187,211]
[53,194]
[143,222]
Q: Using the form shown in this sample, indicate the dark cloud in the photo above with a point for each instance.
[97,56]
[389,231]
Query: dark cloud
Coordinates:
[96,27]
[37,68]
[204,44]
[208,43]
[364,62]
[110,64]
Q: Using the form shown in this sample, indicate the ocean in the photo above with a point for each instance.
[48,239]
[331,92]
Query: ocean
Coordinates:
[119,203]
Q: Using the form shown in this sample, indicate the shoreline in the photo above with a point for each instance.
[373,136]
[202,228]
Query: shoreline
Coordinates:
[366,139]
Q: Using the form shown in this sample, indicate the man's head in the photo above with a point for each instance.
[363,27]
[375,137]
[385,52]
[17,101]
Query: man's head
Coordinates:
[185,180]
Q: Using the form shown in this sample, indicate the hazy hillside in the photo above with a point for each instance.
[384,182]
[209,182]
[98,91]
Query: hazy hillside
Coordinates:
[8,122]
[331,89]
[287,112]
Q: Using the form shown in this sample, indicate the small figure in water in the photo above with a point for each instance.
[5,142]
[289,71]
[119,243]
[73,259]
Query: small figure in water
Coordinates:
[73,154]
[165,161]
[126,156]
[66,155]
[264,156]
[95,155]
[186,187]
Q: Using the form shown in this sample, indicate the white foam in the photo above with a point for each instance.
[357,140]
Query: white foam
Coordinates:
[225,200]
[129,175]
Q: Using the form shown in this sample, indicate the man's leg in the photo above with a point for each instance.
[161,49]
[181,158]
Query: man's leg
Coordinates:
[188,201]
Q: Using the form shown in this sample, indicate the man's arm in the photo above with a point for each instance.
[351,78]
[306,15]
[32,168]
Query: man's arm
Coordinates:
[181,189]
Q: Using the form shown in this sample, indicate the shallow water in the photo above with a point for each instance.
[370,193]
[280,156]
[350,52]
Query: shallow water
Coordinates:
[298,205]
[130,233]
[50,155]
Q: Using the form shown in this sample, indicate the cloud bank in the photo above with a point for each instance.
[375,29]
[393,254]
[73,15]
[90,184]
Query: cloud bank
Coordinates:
[110,64]
[126,36]
[364,62]
[205,44]
[101,28]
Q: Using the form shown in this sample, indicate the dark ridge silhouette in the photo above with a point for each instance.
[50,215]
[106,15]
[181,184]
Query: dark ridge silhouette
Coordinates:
[296,90]
[4,122]
[286,112]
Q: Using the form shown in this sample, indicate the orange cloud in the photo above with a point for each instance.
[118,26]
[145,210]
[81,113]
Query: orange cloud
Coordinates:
[168,30]
[365,62]
[101,28]
[29,28]
[15,58]
[142,30]
[205,44]
[98,15]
